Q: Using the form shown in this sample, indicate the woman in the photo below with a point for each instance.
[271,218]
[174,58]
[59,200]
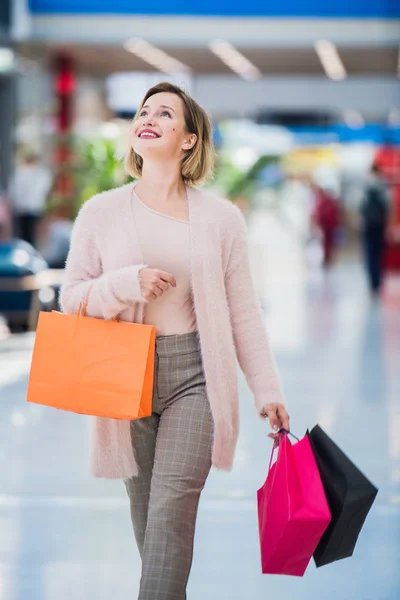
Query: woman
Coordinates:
[326,216]
[166,253]
[375,213]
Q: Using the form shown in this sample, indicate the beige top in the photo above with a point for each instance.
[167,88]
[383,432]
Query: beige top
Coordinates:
[165,244]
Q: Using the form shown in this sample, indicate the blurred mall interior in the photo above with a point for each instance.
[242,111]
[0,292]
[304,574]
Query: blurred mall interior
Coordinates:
[305,99]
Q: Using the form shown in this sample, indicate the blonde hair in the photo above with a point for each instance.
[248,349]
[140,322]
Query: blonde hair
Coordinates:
[198,162]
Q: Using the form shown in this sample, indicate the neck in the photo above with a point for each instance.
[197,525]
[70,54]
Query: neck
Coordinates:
[161,181]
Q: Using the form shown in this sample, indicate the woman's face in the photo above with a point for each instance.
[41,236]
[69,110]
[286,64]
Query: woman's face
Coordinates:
[160,129]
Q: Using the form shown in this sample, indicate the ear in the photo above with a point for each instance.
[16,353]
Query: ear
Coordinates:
[190,142]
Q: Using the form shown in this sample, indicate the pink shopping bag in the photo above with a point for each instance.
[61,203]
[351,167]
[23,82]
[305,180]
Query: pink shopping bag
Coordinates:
[293,512]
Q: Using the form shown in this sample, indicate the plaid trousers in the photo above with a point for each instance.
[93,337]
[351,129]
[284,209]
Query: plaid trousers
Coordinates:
[172,448]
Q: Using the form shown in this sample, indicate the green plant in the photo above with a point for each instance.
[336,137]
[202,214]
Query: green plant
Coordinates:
[234,182]
[85,168]
[96,168]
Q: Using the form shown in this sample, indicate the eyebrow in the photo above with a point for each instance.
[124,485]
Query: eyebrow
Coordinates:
[161,106]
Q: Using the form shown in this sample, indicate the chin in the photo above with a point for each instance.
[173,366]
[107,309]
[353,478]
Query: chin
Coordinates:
[145,150]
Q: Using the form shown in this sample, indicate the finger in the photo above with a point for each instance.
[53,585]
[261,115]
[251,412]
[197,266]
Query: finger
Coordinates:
[149,295]
[158,291]
[168,277]
[275,438]
[160,287]
[163,285]
[271,412]
[283,417]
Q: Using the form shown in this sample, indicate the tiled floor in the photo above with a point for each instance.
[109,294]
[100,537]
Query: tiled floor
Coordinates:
[66,536]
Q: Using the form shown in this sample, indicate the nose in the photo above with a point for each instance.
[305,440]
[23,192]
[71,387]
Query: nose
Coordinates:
[149,120]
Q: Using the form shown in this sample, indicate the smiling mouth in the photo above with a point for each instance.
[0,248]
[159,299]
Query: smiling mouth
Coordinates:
[148,135]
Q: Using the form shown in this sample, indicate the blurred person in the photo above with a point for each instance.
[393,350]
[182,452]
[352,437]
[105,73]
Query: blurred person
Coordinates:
[374,210]
[29,190]
[19,263]
[57,234]
[326,216]
[5,219]
[163,252]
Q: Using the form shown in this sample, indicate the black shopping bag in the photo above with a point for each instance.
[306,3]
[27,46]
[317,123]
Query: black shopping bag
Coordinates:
[350,496]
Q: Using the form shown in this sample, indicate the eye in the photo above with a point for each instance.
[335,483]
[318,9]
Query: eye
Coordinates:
[143,113]
[165,112]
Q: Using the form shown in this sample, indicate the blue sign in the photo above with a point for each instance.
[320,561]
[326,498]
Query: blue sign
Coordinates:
[376,133]
[388,9]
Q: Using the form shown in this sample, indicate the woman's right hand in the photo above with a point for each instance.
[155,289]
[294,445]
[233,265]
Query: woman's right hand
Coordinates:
[154,282]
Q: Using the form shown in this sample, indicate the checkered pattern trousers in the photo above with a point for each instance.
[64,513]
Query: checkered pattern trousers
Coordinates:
[172,448]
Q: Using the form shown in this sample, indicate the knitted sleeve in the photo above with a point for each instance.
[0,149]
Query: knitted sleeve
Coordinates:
[107,294]
[250,337]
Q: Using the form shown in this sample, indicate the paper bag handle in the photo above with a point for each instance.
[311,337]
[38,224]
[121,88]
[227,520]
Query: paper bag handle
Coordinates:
[83,305]
[274,447]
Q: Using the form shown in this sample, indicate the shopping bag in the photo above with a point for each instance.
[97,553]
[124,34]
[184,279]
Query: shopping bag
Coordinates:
[93,366]
[293,512]
[350,496]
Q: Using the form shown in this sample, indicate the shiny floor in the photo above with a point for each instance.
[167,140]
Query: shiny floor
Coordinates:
[66,536]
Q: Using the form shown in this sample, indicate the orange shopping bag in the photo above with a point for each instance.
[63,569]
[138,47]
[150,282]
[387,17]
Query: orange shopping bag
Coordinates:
[92,366]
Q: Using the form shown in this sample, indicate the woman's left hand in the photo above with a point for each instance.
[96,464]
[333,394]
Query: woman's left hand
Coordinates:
[278,417]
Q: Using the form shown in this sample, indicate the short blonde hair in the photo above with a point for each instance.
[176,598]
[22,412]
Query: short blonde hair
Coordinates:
[198,162]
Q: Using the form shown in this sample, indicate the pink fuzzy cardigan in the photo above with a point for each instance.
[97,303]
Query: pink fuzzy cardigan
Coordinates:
[105,252]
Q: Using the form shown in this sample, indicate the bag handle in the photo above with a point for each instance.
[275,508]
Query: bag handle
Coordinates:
[83,305]
[282,432]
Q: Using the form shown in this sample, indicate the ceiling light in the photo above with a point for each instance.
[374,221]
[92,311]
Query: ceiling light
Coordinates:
[155,57]
[330,60]
[235,60]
